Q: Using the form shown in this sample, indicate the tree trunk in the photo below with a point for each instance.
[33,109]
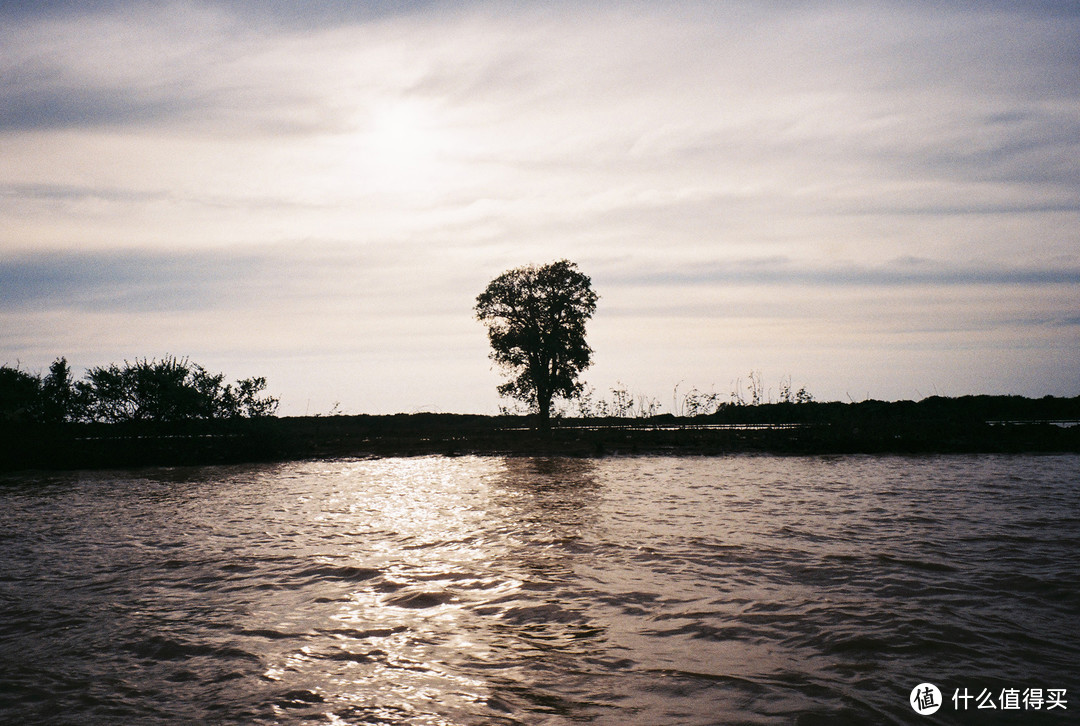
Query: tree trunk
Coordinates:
[544,405]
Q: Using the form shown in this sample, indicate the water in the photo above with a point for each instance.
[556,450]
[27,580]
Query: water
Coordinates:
[652,590]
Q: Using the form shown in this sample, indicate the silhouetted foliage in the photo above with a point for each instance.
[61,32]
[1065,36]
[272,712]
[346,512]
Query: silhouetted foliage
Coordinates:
[20,394]
[623,404]
[60,399]
[170,389]
[535,316]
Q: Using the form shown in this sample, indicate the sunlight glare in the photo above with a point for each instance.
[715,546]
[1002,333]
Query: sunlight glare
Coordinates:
[402,149]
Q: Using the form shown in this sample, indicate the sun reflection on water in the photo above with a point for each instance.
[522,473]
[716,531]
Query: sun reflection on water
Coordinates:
[465,555]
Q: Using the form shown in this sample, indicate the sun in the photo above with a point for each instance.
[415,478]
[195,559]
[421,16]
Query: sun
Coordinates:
[401,148]
[402,132]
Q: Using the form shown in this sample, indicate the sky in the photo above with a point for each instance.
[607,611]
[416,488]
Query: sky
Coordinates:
[871,199]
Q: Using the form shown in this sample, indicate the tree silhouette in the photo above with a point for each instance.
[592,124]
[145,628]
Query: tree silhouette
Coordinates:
[535,316]
[59,398]
[20,394]
[171,389]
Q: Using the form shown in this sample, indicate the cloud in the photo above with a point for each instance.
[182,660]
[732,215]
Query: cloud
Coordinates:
[133,280]
[319,279]
[897,273]
[21,193]
[326,278]
[68,106]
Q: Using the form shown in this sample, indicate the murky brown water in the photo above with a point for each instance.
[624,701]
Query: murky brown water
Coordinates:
[652,590]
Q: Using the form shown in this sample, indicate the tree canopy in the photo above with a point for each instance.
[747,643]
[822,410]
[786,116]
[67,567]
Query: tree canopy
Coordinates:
[535,318]
[170,389]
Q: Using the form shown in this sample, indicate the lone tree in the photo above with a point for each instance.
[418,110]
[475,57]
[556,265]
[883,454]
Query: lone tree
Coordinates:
[535,316]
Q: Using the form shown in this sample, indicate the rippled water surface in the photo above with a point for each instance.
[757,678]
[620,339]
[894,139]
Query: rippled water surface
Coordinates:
[653,590]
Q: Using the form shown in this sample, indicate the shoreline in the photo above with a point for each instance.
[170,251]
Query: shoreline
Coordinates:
[814,429]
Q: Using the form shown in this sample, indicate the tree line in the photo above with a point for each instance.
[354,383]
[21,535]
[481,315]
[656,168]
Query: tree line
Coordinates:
[147,390]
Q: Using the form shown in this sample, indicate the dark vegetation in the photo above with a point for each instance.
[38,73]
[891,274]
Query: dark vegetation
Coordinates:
[154,391]
[146,412]
[970,424]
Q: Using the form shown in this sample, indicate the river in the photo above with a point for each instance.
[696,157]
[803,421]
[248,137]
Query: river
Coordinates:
[490,590]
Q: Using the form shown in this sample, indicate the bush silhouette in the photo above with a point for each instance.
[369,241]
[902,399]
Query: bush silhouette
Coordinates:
[170,389]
